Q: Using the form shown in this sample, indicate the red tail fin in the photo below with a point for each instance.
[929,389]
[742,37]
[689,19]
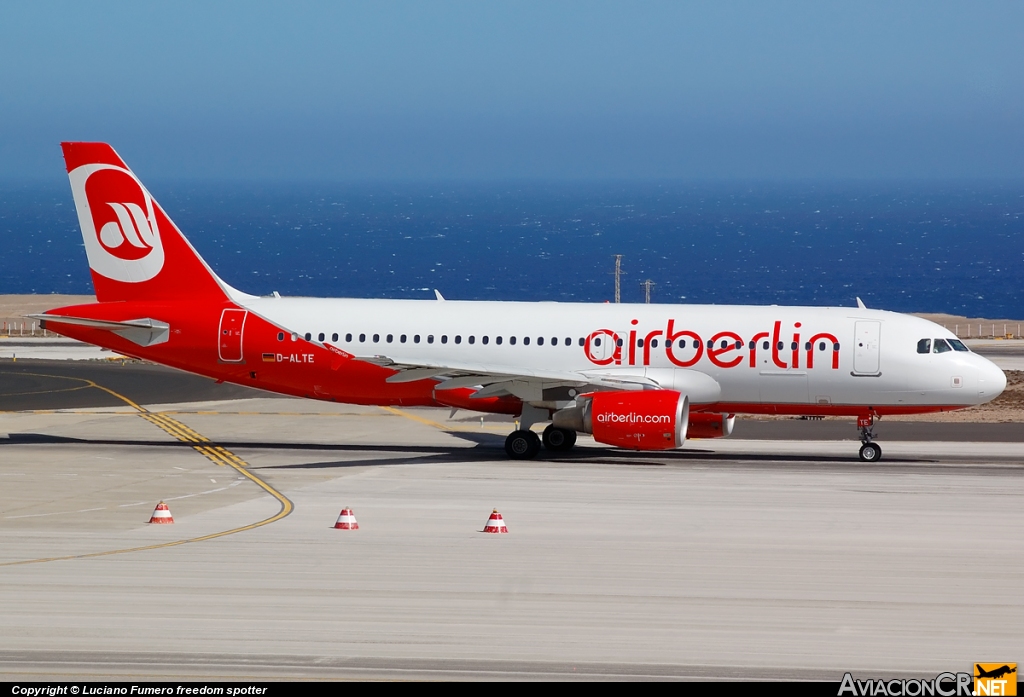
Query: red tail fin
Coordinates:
[135,251]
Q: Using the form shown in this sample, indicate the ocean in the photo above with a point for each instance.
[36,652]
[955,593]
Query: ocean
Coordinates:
[923,247]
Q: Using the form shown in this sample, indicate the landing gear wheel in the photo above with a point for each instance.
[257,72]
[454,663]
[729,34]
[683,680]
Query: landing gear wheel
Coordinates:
[558,439]
[870,452]
[522,445]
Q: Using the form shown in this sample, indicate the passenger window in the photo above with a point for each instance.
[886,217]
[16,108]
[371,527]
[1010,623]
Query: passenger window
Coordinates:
[458,339]
[780,346]
[639,343]
[764,346]
[924,346]
[348,337]
[821,345]
[512,340]
[444,338]
[724,343]
[540,341]
[362,338]
[807,346]
[484,339]
[597,341]
[390,338]
[568,341]
[472,339]
[526,341]
[958,345]
[320,336]
[752,345]
[583,342]
[308,336]
[835,347]
[497,340]
[376,338]
[940,346]
[280,336]
[334,337]
[430,338]
[618,342]
[711,344]
[416,338]
[793,346]
[402,338]
[654,343]
[696,344]
[554,341]
[739,344]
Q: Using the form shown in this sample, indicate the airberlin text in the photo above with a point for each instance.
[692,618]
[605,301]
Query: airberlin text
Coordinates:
[634,418]
[725,349]
[942,685]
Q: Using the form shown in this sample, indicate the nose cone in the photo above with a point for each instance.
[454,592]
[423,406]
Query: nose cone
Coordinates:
[991,380]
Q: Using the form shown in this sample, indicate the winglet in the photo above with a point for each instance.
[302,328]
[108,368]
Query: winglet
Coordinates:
[437,293]
[861,305]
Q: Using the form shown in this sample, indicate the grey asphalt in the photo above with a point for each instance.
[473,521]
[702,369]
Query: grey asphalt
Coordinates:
[740,558]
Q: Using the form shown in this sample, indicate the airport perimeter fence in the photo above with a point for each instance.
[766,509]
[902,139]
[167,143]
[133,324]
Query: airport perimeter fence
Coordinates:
[986,331]
[16,326]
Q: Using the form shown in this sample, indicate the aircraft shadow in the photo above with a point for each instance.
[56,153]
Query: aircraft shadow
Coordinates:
[486,447]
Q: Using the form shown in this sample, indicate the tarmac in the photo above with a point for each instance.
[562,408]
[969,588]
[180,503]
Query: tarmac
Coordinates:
[774,554]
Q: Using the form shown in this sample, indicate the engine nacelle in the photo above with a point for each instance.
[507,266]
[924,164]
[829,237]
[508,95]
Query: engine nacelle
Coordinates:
[637,420]
[703,425]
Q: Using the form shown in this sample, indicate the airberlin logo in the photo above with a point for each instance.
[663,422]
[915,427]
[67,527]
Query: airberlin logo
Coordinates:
[119,224]
[634,418]
[778,348]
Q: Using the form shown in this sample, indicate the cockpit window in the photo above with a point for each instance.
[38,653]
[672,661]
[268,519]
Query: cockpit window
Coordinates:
[940,346]
[957,345]
[924,346]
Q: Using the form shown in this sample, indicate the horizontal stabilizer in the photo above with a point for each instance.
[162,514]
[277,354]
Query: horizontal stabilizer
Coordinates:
[144,332]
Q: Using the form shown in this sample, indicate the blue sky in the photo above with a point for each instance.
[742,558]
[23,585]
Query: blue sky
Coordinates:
[534,90]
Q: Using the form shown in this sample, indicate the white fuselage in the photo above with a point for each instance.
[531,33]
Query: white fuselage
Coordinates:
[759,355]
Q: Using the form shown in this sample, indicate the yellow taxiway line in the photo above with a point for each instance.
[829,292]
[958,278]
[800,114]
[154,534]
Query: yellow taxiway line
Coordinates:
[213,452]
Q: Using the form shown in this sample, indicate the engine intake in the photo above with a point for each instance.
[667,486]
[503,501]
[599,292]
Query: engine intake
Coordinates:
[636,420]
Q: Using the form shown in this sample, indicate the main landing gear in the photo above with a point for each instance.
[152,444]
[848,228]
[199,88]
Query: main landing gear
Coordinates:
[524,444]
[869,451]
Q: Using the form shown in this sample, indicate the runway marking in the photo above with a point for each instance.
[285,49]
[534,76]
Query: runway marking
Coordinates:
[22,394]
[93,412]
[215,453]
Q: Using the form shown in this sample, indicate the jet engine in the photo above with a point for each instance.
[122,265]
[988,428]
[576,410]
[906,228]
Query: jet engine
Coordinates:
[704,425]
[636,420]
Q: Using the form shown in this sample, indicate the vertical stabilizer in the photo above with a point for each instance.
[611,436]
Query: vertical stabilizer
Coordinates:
[135,251]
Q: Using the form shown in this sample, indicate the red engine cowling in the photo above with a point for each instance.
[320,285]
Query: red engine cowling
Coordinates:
[640,420]
[704,425]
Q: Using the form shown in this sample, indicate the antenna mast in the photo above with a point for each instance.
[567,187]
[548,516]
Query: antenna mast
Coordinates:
[648,284]
[618,273]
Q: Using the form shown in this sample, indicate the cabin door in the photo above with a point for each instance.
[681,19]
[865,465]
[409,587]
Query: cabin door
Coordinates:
[867,347]
[229,345]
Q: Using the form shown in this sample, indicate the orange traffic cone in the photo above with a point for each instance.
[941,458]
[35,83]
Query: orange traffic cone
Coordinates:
[161,515]
[346,521]
[495,523]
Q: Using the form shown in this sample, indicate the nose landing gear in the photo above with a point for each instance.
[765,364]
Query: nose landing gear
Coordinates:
[869,451]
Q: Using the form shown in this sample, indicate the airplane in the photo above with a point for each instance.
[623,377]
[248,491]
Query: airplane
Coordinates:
[640,377]
[994,673]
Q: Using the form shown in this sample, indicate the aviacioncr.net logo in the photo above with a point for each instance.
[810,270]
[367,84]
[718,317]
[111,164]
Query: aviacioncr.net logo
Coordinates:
[119,224]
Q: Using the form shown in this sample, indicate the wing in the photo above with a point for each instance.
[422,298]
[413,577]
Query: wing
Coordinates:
[534,386]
